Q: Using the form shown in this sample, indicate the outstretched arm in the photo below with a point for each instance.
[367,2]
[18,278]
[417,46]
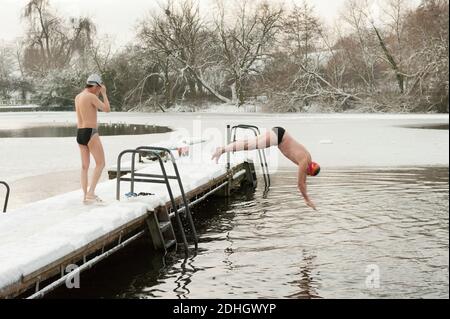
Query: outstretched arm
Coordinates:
[302,186]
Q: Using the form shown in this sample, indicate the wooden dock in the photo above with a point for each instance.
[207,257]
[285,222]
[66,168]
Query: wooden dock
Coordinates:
[153,224]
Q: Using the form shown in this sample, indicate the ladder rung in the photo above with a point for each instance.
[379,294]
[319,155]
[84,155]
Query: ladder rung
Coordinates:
[163,226]
[139,180]
[170,243]
[154,176]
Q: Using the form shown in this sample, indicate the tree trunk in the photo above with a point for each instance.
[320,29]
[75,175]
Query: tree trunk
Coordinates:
[192,87]
[240,94]
[233,93]
[390,58]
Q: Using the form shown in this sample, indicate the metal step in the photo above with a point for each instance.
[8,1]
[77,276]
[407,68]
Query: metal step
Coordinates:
[169,244]
[162,155]
[163,226]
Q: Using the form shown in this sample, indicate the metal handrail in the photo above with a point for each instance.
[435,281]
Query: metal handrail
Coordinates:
[172,199]
[8,191]
[154,150]
[261,153]
[160,179]
[86,266]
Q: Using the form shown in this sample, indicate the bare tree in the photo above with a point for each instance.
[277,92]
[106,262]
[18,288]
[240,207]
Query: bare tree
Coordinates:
[180,39]
[51,42]
[244,41]
[303,31]
[362,48]
[6,71]
[427,52]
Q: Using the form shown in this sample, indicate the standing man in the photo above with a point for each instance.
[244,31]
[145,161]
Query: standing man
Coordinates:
[87,104]
[290,148]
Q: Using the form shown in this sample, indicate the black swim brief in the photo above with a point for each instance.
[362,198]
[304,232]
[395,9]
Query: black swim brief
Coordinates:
[84,135]
[279,131]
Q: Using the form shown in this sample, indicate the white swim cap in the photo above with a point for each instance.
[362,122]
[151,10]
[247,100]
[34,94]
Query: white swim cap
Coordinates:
[94,79]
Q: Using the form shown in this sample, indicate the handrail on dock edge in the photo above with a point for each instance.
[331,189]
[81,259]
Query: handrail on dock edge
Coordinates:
[159,179]
[261,153]
[8,191]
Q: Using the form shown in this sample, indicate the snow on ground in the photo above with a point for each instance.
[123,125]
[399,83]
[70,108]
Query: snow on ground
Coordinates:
[45,231]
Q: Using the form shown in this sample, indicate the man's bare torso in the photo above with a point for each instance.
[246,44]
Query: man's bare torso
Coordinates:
[86,110]
[294,151]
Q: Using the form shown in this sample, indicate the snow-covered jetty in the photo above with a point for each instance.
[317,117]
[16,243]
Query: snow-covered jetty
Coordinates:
[41,243]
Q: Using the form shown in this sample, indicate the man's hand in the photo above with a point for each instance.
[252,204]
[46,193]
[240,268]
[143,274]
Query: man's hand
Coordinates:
[302,185]
[311,204]
[105,105]
[217,154]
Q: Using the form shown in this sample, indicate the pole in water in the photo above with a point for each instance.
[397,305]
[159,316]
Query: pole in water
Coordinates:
[8,190]
[229,161]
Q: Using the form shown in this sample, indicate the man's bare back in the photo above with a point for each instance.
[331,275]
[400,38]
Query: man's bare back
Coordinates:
[294,151]
[86,105]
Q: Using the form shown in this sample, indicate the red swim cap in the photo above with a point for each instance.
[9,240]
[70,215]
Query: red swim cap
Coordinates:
[313,169]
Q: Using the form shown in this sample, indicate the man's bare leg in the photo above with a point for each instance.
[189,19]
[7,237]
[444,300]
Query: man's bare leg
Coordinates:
[263,141]
[96,148]
[85,161]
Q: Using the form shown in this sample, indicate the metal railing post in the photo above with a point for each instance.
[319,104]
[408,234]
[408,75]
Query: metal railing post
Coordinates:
[174,205]
[180,185]
[166,181]
[261,153]
[228,189]
[8,191]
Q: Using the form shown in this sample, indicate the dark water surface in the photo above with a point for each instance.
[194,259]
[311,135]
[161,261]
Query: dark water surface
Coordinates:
[393,222]
[71,130]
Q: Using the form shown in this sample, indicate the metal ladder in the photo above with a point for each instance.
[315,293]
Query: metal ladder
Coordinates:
[261,153]
[164,221]
[8,191]
[161,230]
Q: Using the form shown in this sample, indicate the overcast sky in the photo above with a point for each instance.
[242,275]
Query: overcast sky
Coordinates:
[118,17]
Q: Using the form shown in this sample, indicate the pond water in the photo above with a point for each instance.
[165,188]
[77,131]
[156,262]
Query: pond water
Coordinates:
[379,233]
[58,130]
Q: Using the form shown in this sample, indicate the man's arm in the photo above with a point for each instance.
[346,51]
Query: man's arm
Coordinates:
[302,186]
[102,106]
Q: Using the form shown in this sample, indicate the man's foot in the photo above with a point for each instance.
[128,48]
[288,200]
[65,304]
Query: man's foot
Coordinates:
[218,153]
[93,199]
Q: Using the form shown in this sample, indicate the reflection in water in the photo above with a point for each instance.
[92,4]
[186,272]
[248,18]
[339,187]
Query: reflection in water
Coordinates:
[275,247]
[305,280]
[71,130]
